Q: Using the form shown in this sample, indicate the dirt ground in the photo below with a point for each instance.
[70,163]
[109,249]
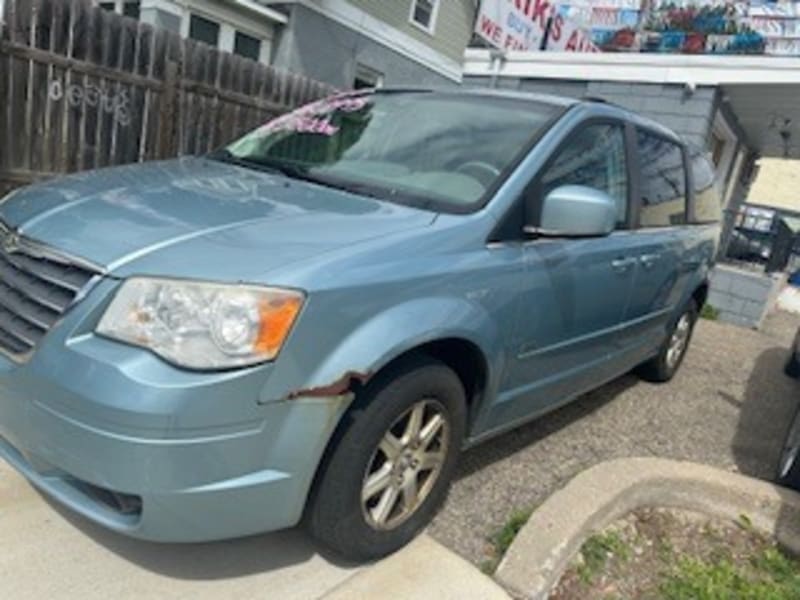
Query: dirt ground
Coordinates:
[729,406]
[660,553]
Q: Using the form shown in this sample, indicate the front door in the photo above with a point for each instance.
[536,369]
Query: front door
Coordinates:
[576,291]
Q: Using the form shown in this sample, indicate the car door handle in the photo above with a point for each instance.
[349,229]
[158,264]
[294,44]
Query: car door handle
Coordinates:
[648,260]
[620,265]
[692,263]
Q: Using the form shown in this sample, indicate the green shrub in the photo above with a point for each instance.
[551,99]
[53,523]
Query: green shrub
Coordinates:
[772,576]
[709,312]
[597,550]
[502,539]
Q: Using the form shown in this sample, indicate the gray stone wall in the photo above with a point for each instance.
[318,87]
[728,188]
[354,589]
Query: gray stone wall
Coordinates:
[743,297]
[322,49]
[689,114]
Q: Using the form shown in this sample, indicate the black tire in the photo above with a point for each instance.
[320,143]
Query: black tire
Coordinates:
[335,515]
[660,368]
[789,465]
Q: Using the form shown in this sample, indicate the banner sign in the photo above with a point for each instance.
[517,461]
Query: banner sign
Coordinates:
[521,25]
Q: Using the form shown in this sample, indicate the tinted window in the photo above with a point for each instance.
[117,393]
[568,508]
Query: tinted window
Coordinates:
[663,181]
[203,30]
[594,157]
[247,46]
[432,149]
[707,204]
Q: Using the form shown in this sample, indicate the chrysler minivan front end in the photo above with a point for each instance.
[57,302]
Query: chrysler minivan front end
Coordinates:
[134,440]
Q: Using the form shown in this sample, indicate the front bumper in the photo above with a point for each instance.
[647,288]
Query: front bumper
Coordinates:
[193,456]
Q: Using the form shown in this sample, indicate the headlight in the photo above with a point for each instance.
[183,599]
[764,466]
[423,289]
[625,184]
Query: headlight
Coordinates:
[202,325]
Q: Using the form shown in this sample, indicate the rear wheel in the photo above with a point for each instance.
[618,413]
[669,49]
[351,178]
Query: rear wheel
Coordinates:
[392,467]
[665,364]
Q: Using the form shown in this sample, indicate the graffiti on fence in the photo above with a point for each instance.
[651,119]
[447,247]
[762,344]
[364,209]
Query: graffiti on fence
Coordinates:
[80,95]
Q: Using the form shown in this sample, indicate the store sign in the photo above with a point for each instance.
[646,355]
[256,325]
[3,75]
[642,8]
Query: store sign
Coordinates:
[567,36]
[506,24]
[521,25]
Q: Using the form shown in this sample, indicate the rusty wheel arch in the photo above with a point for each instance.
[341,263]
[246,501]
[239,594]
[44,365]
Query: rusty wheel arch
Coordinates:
[461,355]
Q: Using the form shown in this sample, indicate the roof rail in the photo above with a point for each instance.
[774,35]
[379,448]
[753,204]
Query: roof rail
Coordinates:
[595,99]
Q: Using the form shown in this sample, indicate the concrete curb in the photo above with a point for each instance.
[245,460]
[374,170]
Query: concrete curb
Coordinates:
[423,569]
[555,532]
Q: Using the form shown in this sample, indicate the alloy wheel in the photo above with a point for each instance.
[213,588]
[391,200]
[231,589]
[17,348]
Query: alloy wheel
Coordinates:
[679,340]
[406,465]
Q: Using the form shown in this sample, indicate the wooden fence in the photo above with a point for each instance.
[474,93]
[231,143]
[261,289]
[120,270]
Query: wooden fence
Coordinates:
[81,87]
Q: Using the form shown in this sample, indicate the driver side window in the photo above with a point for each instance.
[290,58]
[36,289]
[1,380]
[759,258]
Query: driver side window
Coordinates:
[594,157]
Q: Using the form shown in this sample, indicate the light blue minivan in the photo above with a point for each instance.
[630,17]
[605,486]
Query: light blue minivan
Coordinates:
[312,322]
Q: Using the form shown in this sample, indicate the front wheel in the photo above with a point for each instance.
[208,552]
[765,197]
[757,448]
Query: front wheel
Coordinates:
[392,467]
[665,364]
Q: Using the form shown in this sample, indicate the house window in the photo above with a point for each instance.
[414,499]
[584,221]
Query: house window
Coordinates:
[367,78]
[247,46]
[423,13]
[128,8]
[131,9]
[204,30]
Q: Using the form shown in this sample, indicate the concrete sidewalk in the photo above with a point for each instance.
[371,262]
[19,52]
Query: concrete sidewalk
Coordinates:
[49,552]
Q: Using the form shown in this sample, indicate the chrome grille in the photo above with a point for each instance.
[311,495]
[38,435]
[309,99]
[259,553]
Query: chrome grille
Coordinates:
[37,286]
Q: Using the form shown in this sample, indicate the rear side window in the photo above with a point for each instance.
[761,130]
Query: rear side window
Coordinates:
[594,157]
[663,181]
[707,203]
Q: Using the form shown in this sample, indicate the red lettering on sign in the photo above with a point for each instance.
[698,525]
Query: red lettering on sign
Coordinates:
[524,6]
[541,11]
[572,42]
[557,28]
[490,29]
[513,43]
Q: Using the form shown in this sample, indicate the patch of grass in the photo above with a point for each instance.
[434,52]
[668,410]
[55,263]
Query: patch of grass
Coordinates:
[504,537]
[744,522]
[771,576]
[664,549]
[597,550]
[489,566]
[709,312]
[780,568]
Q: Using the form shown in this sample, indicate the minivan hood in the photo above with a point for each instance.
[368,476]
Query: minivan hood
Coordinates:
[125,218]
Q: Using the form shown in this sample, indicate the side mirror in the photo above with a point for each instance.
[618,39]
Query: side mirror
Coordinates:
[576,211]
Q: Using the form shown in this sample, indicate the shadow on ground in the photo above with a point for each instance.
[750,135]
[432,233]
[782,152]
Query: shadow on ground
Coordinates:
[765,413]
[515,440]
[227,559]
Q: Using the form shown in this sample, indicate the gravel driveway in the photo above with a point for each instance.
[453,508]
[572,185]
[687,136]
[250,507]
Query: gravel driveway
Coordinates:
[728,406]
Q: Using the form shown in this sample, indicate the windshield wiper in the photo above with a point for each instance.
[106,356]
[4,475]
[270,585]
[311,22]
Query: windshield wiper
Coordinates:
[305,173]
[260,164]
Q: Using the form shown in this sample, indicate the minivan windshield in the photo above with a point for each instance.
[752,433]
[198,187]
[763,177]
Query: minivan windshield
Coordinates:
[442,151]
